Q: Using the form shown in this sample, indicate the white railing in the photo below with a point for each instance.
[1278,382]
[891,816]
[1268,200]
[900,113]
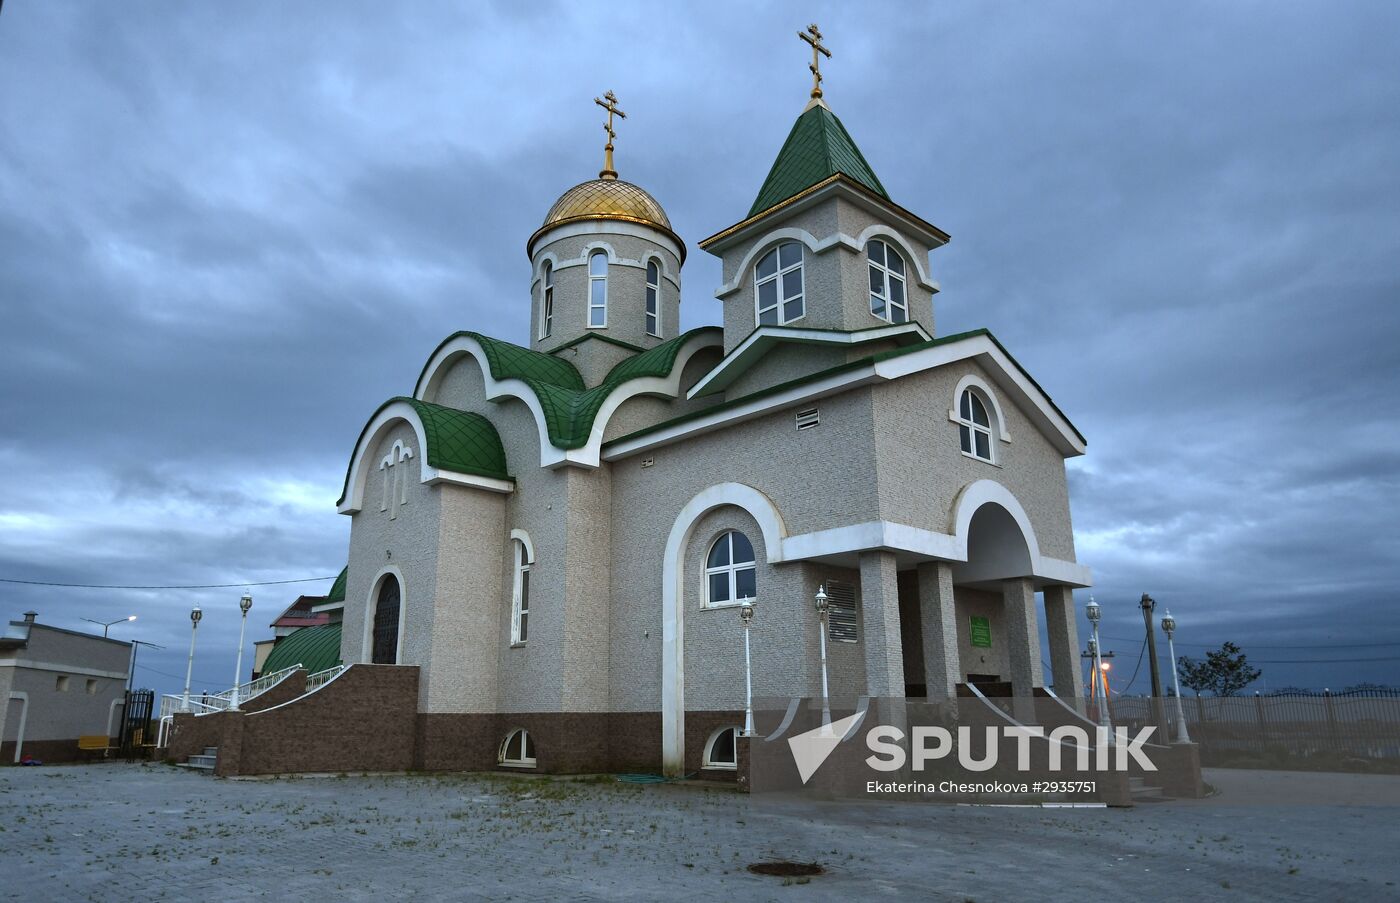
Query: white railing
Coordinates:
[321,678]
[207,703]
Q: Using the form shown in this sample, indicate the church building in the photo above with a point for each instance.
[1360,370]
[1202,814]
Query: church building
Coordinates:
[559,536]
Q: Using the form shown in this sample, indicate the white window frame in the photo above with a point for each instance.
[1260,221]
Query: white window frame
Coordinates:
[547,300]
[732,569]
[653,298]
[523,761]
[777,277]
[592,278]
[522,555]
[973,428]
[888,275]
[708,760]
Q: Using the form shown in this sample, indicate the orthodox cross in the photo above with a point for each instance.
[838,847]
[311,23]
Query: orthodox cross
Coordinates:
[611,106]
[813,36]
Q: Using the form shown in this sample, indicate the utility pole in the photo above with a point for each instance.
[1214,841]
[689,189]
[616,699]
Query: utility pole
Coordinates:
[1149,605]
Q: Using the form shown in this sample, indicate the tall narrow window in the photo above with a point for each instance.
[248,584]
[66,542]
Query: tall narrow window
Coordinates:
[520,604]
[385,648]
[598,290]
[730,573]
[653,299]
[778,285]
[887,300]
[974,426]
[547,301]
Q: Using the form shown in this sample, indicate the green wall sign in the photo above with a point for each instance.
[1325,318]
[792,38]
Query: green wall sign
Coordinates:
[981,632]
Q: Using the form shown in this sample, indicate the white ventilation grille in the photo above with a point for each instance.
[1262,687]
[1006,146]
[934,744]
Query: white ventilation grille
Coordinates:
[808,418]
[841,617]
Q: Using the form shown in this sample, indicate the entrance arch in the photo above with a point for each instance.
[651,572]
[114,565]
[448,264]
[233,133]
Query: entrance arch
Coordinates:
[770,523]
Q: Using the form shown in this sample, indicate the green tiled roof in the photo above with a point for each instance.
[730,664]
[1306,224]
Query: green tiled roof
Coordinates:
[817,148]
[337,593]
[461,441]
[315,648]
[569,407]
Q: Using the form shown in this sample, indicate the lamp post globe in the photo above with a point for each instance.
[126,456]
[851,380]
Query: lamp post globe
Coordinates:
[1094,613]
[746,618]
[1169,628]
[195,615]
[823,605]
[244,604]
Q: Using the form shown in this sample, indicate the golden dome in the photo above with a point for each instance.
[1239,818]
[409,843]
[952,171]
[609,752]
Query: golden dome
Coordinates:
[607,199]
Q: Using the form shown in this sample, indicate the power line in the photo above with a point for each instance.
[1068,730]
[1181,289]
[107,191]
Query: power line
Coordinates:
[171,586]
[1323,661]
[1266,646]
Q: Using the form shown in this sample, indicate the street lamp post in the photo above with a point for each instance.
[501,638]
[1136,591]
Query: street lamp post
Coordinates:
[245,603]
[1169,627]
[746,618]
[195,615]
[1093,612]
[107,624]
[822,608]
[1149,605]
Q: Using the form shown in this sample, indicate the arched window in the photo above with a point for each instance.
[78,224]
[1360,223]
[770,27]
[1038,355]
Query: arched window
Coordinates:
[653,299]
[975,426]
[385,648]
[887,299]
[722,750]
[778,285]
[520,595]
[518,750]
[598,290]
[547,301]
[730,572]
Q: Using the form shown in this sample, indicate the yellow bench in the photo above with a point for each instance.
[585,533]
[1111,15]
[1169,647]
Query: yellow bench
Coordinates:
[94,743]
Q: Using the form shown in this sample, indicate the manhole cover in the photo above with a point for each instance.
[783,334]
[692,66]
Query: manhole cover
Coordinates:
[782,869]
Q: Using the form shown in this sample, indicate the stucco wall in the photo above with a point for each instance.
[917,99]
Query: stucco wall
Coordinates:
[922,468]
[626,288]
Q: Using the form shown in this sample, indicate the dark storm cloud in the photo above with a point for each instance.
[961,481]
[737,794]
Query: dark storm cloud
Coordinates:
[226,236]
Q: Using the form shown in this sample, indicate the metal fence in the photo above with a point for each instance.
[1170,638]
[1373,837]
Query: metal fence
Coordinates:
[1293,724]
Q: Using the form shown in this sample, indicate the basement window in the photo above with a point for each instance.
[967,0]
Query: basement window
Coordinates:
[518,750]
[722,749]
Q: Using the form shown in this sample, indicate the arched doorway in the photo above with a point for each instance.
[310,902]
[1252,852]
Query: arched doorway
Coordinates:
[385,637]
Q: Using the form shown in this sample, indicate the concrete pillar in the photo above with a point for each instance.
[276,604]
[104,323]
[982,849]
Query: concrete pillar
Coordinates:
[1022,635]
[939,620]
[1062,630]
[879,605]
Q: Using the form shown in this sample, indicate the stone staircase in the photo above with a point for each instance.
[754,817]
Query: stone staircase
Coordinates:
[1143,792]
[205,761]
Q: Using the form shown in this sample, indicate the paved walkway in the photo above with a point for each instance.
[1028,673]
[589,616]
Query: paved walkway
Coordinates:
[122,832]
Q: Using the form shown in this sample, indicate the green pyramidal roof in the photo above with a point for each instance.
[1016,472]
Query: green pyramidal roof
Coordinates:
[817,148]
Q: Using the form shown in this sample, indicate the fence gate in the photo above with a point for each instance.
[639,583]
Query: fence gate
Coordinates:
[136,721]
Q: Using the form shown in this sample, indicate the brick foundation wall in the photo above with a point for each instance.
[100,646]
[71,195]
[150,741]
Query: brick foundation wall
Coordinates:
[190,734]
[364,720]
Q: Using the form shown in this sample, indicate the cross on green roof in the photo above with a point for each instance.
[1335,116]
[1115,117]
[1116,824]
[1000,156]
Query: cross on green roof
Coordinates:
[817,148]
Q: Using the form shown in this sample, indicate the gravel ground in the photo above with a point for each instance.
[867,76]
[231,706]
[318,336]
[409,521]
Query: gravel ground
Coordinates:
[119,831]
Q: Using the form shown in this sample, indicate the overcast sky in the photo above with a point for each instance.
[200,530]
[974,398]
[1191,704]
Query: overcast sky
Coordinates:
[229,231]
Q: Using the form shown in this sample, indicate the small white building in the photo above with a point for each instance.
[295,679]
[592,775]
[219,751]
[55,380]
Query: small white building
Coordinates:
[58,685]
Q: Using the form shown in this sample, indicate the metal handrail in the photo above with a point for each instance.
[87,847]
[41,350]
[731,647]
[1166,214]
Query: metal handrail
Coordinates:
[320,678]
[209,703]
